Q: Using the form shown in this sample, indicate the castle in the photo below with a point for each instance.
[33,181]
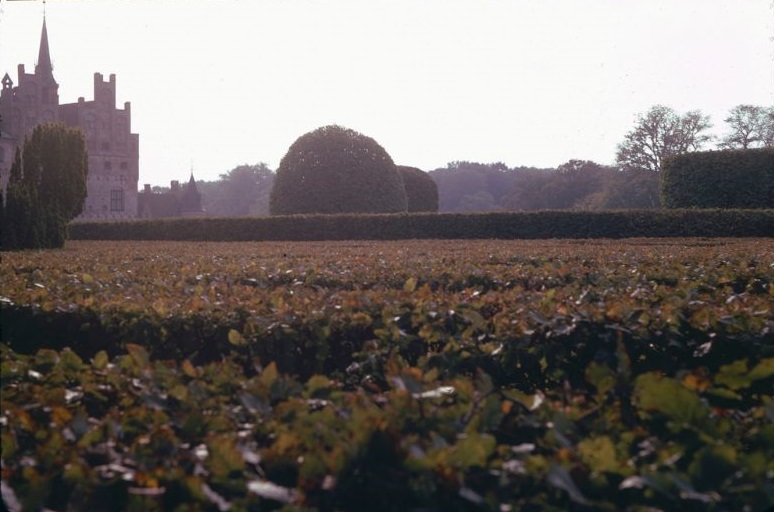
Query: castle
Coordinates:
[113,149]
[179,201]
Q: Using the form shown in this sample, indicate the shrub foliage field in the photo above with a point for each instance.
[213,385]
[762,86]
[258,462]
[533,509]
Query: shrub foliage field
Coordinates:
[415,375]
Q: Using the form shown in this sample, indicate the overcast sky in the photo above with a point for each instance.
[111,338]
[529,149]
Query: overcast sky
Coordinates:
[218,83]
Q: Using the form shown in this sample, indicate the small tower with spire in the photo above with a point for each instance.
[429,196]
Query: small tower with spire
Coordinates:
[44,67]
[191,199]
[35,94]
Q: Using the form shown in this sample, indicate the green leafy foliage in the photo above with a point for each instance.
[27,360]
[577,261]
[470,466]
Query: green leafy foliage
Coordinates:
[422,375]
[421,190]
[719,179]
[46,188]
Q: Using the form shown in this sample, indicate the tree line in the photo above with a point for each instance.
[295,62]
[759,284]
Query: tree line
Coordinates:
[576,184]
[463,186]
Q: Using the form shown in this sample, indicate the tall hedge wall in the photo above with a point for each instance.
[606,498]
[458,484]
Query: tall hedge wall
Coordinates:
[719,179]
[497,225]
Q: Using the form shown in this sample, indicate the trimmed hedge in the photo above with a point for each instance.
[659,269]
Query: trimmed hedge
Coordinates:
[496,225]
[421,189]
[334,170]
[719,179]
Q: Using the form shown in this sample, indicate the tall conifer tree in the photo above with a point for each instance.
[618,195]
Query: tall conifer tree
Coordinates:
[46,188]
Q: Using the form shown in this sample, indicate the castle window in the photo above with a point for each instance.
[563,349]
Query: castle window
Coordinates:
[117,200]
[2,154]
[90,126]
[105,146]
[124,166]
[108,165]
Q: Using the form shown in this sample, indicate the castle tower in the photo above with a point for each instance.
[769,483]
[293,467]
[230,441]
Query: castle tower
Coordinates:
[35,99]
[191,200]
[23,106]
[113,151]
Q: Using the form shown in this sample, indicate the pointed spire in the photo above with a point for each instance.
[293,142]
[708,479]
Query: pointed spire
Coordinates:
[191,201]
[44,56]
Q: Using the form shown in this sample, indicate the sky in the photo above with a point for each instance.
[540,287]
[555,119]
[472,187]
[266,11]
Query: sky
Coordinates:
[214,84]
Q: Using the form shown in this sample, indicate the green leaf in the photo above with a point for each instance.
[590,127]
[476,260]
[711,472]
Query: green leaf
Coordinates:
[46,358]
[473,450]
[236,338]
[712,465]
[652,392]
[138,354]
[530,402]
[100,360]
[601,377]
[8,444]
[269,375]
[723,393]
[319,386]
[70,361]
[598,454]
[224,457]
[763,370]
[179,392]
[734,376]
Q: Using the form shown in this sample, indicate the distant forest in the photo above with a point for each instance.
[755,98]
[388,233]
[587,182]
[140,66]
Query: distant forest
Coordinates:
[577,184]
[470,187]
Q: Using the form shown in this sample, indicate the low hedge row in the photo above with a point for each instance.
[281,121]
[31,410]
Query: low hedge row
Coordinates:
[311,308]
[494,225]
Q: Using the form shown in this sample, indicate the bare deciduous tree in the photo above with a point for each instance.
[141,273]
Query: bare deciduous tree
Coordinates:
[659,133]
[750,126]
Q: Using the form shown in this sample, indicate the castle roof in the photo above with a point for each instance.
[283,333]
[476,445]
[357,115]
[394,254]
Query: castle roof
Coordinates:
[43,65]
[191,199]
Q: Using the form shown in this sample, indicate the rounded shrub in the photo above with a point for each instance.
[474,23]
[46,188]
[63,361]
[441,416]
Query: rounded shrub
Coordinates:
[337,170]
[421,189]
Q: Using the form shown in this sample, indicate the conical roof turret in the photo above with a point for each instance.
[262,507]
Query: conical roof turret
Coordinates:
[191,200]
[43,66]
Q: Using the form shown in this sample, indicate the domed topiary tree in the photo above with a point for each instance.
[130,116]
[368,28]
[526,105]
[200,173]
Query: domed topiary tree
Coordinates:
[421,190]
[337,170]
